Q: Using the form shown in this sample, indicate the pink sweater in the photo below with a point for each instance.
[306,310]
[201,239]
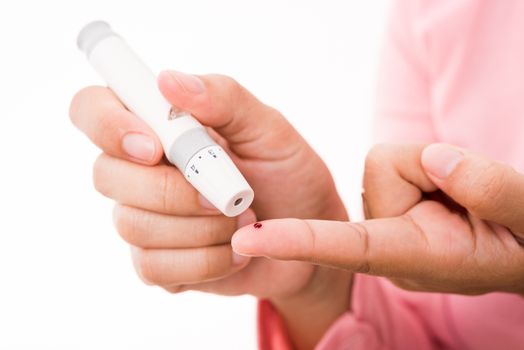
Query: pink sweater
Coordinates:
[453,71]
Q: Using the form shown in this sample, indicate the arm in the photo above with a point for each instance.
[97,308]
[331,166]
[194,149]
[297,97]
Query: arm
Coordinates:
[308,316]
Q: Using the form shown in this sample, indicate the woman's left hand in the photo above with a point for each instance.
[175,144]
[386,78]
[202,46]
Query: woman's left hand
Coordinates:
[443,220]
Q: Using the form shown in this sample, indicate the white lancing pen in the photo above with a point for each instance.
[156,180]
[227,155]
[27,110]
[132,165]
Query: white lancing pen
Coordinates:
[185,141]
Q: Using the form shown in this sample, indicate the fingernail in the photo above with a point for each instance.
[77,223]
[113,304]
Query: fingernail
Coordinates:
[239,259]
[440,160]
[139,146]
[188,83]
[246,218]
[205,203]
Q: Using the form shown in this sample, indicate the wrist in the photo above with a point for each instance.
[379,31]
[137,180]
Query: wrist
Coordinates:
[309,313]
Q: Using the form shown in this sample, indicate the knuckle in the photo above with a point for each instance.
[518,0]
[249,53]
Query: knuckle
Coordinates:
[107,125]
[228,83]
[207,267]
[374,166]
[216,230]
[129,225]
[232,88]
[207,231]
[77,103]
[402,284]
[213,263]
[169,189]
[485,187]
[376,157]
[274,116]
[146,268]
[176,289]
[365,262]
[99,176]
[282,129]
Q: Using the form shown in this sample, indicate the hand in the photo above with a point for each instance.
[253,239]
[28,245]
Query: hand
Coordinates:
[183,244]
[448,221]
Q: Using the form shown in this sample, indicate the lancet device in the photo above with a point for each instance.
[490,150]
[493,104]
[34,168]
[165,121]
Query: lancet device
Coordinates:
[185,141]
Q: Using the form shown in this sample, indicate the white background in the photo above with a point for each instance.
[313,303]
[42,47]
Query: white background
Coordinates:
[66,280]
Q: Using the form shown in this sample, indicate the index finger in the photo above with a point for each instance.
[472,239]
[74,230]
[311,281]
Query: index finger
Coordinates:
[98,113]
[381,246]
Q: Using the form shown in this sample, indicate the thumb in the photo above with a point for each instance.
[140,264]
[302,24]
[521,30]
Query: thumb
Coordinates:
[251,128]
[489,190]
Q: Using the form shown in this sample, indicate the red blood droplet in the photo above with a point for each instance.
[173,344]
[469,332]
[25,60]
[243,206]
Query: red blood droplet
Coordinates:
[257,225]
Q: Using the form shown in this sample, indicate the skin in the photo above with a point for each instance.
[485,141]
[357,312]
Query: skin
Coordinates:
[436,227]
[466,241]
[178,241]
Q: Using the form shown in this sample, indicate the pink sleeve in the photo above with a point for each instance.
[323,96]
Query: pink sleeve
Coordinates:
[403,105]
[381,319]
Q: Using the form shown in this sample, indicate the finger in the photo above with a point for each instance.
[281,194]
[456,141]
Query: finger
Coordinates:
[169,267]
[161,188]
[222,103]
[429,244]
[394,180]
[148,229]
[489,190]
[101,116]
[381,246]
[253,280]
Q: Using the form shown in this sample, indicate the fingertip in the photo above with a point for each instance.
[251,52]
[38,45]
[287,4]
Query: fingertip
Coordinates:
[180,88]
[168,87]
[264,238]
[164,80]
[254,239]
[244,242]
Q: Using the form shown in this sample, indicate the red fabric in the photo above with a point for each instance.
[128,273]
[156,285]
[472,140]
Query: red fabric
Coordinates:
[272,333]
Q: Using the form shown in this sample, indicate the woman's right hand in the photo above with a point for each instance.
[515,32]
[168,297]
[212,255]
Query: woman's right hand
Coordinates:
[444,220]
[180,242]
